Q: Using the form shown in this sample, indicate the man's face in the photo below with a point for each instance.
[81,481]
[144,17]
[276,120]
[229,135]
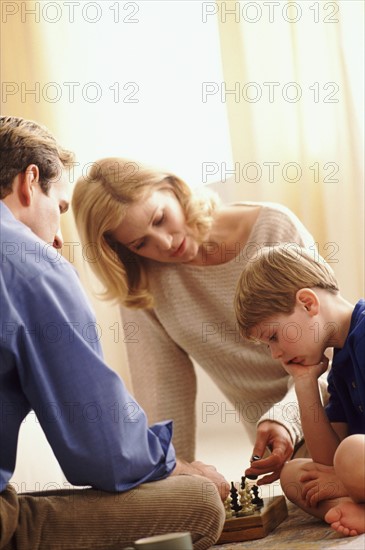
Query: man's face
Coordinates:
[43,216]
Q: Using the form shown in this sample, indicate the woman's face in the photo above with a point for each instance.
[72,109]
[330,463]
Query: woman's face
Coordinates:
[155,228]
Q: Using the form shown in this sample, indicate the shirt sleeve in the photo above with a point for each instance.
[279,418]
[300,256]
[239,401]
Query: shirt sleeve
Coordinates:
[334,410]
[290,229]
[286,413]
[97,430]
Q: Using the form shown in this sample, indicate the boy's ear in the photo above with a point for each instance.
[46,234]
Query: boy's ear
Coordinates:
[28,179]
[309,300]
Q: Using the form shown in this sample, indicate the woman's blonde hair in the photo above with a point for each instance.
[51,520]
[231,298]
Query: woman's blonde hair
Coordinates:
[100,202]
[270,282]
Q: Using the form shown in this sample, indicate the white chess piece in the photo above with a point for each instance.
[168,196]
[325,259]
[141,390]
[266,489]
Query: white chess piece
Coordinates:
[246,501]
[227,506]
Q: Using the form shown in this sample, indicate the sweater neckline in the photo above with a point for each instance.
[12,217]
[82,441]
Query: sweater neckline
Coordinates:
[250,238]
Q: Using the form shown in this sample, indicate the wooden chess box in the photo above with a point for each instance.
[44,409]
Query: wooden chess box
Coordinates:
[257,525]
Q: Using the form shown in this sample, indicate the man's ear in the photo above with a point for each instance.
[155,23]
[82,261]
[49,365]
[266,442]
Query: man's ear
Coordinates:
[308,299]
[27,181]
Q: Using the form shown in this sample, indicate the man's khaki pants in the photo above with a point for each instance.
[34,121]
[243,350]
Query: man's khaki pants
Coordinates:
[90,519]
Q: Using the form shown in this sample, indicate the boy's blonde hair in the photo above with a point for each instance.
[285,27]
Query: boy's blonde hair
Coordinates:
[100,202]
[269,283]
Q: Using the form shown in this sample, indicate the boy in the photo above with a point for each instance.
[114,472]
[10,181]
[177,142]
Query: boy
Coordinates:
[291,302]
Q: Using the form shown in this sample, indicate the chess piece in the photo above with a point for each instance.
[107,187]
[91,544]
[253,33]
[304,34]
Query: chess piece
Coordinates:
[227,507]
[257,500]
[235,505]
[247,508]
[253,476]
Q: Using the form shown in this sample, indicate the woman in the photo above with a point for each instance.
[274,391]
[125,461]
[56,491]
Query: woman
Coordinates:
[172,260]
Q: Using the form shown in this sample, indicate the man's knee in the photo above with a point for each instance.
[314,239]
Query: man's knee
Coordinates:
[211,497]
[9,507]
[211,510]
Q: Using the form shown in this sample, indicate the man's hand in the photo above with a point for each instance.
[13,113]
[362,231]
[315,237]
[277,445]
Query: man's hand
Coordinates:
[205,470]
[275,437]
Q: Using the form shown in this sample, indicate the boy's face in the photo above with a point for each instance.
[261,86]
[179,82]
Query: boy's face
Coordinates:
[293,339]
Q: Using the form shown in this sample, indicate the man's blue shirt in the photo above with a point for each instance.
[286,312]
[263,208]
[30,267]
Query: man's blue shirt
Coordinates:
[51,362]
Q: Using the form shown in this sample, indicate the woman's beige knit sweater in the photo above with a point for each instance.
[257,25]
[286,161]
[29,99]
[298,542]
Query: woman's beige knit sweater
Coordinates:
[194,318]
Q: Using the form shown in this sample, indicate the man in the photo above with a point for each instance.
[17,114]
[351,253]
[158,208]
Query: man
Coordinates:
[51,362]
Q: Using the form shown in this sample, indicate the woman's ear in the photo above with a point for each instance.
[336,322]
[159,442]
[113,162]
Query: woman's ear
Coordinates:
[308,299]
[28,179]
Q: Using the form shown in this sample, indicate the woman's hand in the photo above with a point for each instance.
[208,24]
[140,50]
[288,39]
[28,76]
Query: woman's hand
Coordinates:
[275,437]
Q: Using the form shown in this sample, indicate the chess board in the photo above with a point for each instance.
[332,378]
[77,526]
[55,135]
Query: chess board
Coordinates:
[257,525]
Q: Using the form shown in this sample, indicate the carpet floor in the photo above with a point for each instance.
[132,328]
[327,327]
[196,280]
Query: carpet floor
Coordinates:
[299,531]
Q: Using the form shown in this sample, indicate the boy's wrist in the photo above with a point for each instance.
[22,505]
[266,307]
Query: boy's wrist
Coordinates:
[306,386]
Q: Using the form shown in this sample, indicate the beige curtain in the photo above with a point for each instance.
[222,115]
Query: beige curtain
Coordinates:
[293,87]
[114,78]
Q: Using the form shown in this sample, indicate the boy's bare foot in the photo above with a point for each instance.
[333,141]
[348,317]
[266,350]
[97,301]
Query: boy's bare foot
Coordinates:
[347,518]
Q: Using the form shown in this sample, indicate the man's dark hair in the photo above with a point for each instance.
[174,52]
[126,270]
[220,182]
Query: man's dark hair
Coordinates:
[24,142]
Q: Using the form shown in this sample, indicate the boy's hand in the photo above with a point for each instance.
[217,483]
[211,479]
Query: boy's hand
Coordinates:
[205,470]
[306,372]
[275,437]
[320,483]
